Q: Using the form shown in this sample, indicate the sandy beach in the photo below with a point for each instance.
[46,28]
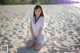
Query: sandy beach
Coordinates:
[62,28]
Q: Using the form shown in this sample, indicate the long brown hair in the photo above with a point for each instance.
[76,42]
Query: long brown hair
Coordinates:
[36,7]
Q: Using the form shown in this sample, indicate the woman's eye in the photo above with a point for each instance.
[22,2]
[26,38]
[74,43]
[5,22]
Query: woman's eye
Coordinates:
[37,11]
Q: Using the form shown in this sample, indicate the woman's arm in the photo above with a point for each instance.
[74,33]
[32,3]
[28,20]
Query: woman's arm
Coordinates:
[39,32]
[41,28]
[31,30]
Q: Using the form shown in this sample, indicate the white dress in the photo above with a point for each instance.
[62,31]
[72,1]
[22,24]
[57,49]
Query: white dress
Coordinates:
[36,26]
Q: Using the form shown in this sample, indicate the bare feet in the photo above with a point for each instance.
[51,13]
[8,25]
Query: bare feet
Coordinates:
[77,47]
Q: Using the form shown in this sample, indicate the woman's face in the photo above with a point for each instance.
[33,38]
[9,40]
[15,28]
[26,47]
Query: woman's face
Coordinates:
[38,12]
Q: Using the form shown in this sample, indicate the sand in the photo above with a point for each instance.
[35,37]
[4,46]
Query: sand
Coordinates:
[62,28]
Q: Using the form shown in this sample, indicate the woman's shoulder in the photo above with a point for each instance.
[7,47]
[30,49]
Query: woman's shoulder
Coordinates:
[31,18]
[42,17]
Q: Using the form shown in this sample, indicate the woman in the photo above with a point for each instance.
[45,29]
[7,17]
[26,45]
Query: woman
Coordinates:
[36,28]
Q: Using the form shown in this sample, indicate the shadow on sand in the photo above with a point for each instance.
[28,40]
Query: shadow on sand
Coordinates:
[31,50]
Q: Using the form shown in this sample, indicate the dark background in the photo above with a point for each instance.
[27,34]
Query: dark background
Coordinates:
[13,2]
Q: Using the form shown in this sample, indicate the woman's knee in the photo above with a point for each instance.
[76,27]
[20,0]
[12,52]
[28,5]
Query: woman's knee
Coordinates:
[29,43]
[38,46]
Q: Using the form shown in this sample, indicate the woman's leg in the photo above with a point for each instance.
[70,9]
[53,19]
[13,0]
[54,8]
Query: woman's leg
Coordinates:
[38,46]
[29,43]
[40,41]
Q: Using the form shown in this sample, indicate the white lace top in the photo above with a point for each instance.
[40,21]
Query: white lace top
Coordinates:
[36,26]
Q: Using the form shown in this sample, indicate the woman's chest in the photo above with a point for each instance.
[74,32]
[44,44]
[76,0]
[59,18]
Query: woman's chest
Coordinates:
[37,24]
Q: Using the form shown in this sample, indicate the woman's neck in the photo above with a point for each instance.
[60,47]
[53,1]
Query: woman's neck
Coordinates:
[37,17]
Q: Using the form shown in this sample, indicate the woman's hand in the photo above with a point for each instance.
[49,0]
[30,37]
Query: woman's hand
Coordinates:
[39,32]
[35,41]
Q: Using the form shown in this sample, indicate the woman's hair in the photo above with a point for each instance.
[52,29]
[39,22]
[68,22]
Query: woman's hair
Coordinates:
[36,7]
